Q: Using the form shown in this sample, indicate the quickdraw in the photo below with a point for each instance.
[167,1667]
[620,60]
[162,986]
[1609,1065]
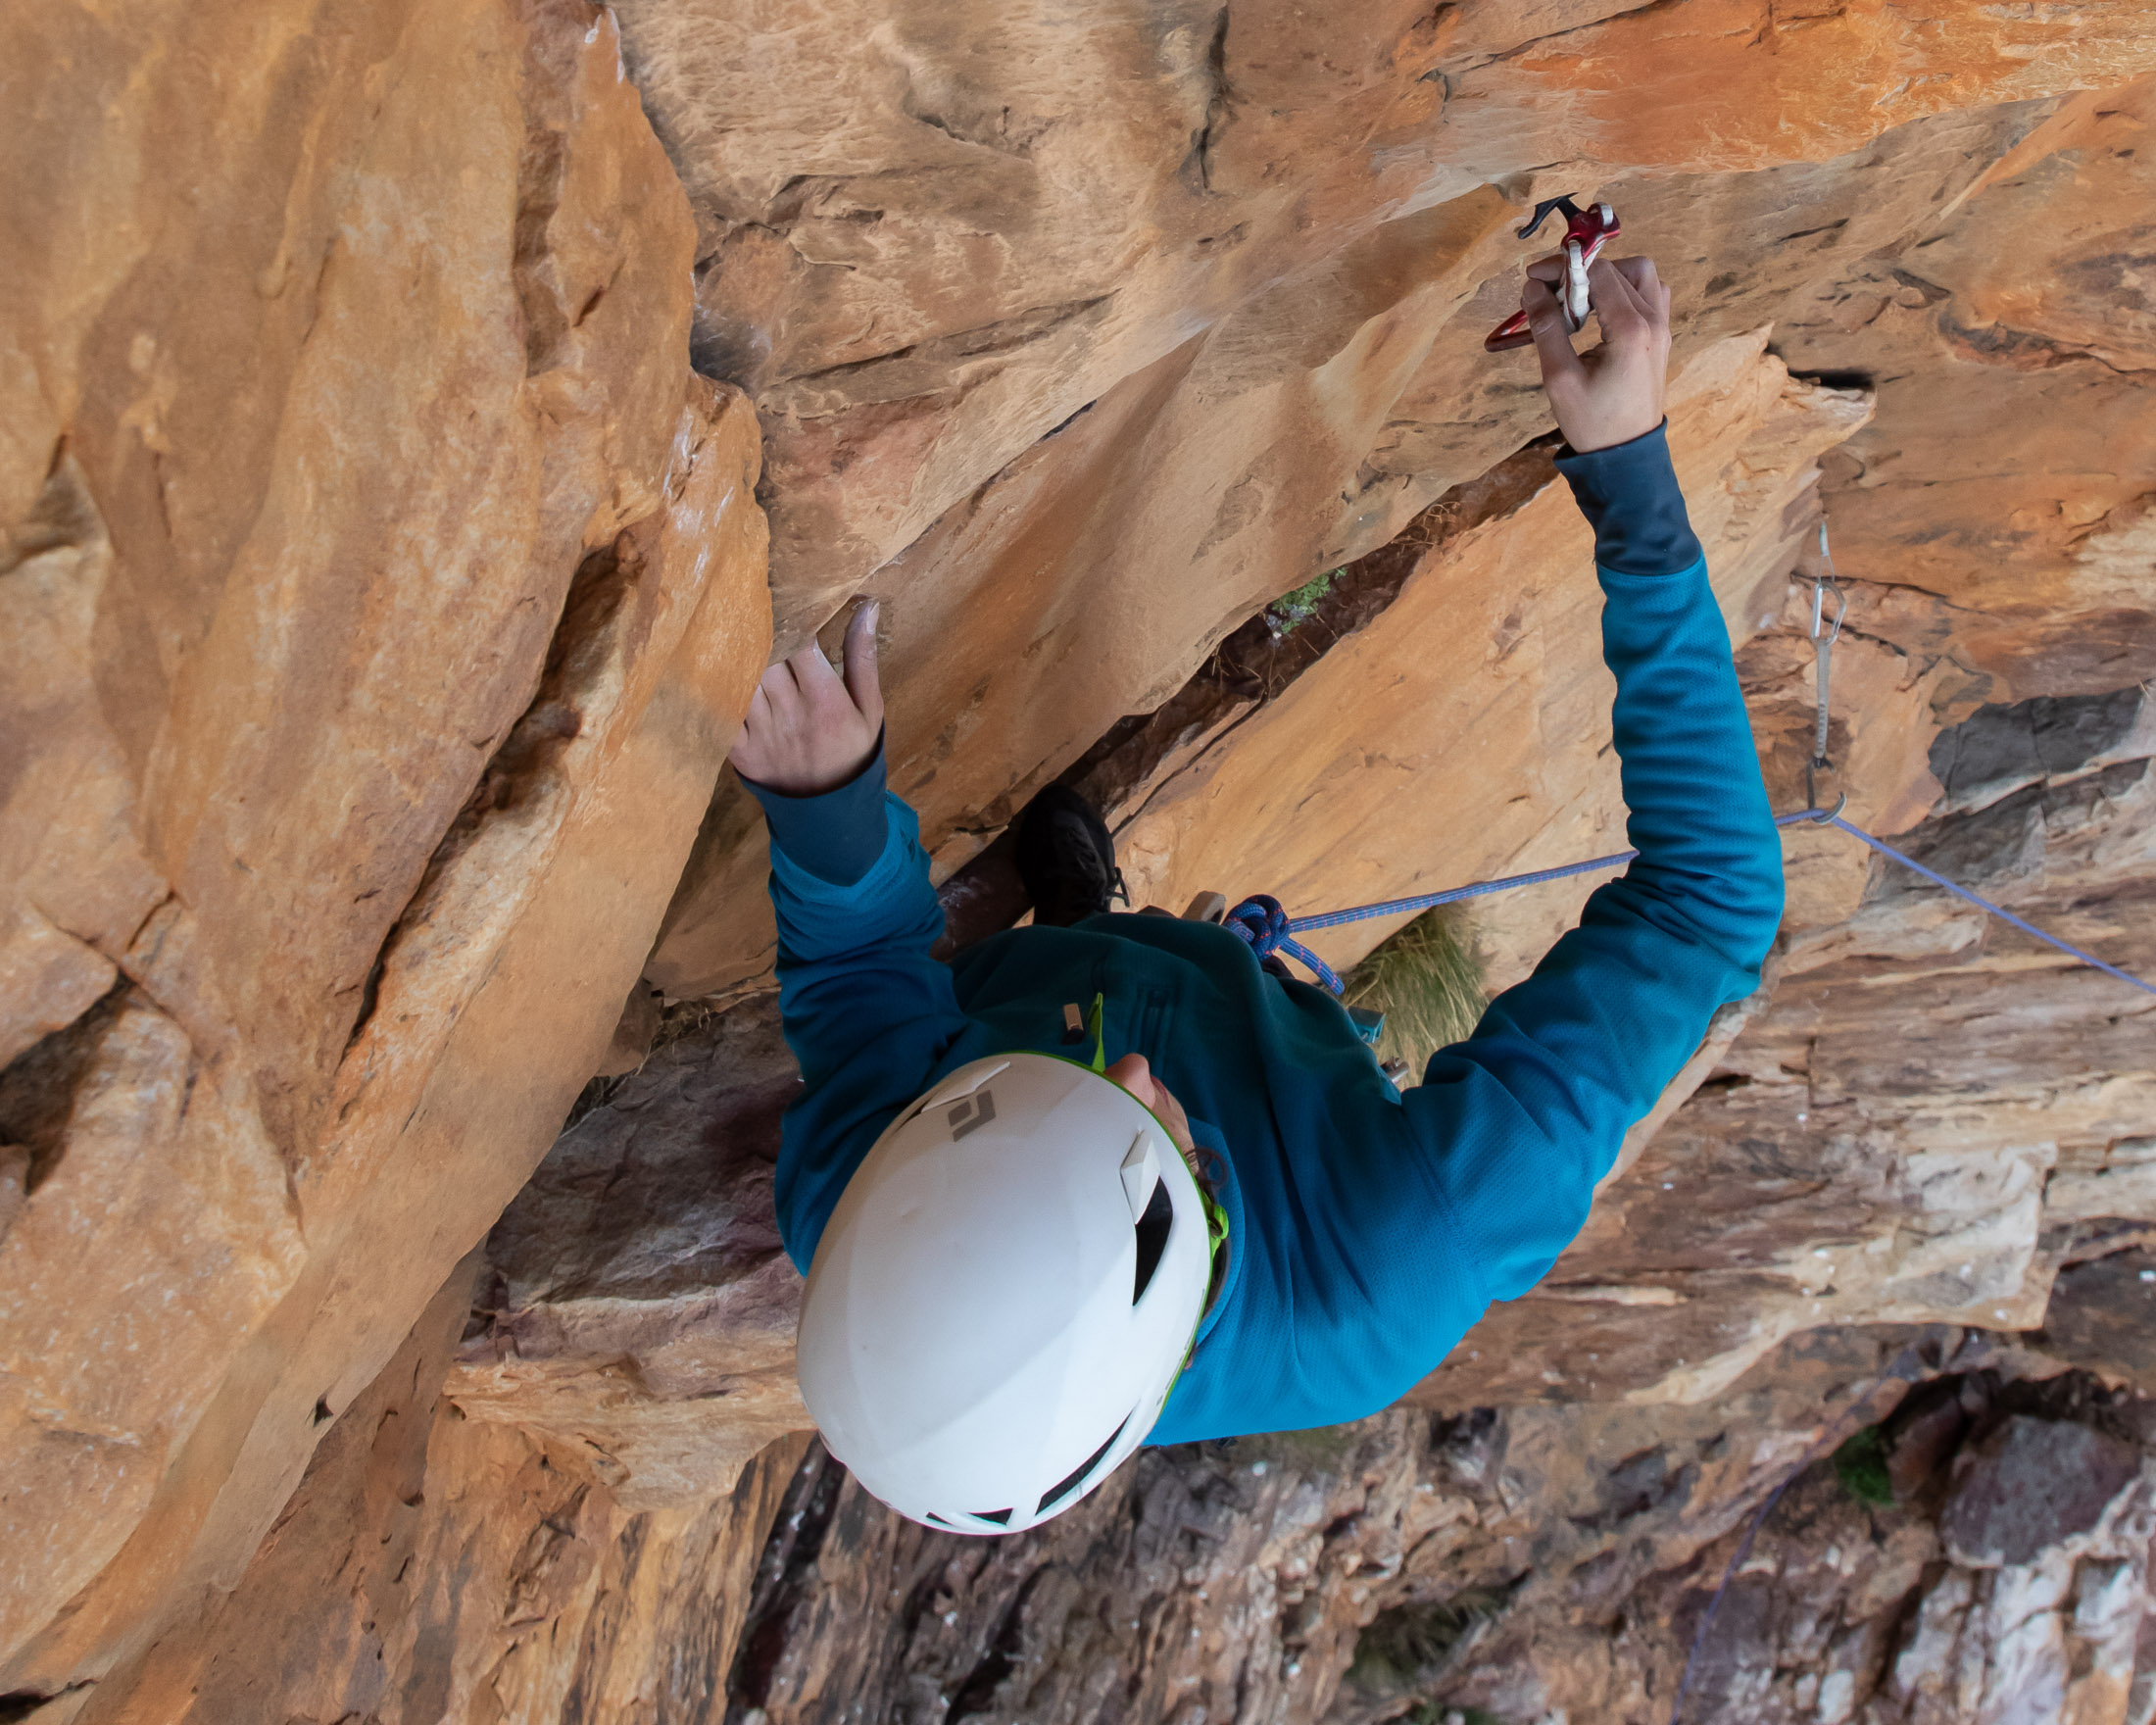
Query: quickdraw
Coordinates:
[1823,647]
[1587,232]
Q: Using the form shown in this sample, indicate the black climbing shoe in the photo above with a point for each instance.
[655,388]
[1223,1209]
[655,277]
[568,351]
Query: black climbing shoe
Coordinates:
[1067,859]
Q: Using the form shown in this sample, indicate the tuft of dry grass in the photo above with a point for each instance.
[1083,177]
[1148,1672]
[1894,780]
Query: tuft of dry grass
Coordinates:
[1425,980]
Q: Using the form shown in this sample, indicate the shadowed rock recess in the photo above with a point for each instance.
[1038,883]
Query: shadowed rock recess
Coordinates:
[423,423]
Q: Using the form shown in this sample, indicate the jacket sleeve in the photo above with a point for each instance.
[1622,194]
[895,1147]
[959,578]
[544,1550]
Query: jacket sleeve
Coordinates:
[866,1011]
[1518,1123]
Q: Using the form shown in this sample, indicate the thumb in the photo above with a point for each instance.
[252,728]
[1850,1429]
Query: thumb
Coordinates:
[1546,322]
[860,660]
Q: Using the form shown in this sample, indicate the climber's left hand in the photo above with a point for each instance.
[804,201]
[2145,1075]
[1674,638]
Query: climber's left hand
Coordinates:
[808,730]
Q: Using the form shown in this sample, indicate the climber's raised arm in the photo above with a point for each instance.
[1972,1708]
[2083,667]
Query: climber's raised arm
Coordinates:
[866,1011]
[1520,1120]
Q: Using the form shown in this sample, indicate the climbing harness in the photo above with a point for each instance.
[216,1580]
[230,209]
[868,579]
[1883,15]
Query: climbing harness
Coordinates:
[1587,232]
[1268,928]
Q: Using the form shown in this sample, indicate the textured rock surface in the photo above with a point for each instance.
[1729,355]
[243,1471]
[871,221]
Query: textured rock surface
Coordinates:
[431,1568]
[637,1306]
[923,245]
[381,589]
[1847,1611]
[1533,1563]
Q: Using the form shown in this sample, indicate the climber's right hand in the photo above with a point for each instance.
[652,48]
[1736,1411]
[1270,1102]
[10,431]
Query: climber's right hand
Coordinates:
[1614,391]
[808,730]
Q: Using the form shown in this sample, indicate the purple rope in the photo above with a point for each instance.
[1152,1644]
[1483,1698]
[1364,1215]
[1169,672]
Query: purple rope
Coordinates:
[1962,892]
[1286,928]
[1454,894]
[1431,901]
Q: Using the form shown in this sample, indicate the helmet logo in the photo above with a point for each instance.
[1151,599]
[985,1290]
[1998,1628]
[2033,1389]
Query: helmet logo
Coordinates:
[969,1112]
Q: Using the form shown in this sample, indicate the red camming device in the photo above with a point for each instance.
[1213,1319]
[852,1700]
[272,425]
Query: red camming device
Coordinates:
[1587,231]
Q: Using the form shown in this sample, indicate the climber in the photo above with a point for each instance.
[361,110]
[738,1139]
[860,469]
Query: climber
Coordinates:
[1107,1180]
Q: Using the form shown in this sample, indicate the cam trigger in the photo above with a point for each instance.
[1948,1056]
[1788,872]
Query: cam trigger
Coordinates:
[1562,205]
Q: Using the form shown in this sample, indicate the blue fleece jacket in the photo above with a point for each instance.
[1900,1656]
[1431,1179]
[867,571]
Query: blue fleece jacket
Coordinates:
[1370,1227]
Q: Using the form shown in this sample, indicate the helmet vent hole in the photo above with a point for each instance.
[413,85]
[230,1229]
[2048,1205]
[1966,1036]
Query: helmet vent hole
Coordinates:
[1078,1475]
[1001,1517]
[1154,1228]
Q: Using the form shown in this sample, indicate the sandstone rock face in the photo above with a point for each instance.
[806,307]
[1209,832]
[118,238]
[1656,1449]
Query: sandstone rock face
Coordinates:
[383,586]
[381,591]
[2030,1486]
[432,1568]
[923,245]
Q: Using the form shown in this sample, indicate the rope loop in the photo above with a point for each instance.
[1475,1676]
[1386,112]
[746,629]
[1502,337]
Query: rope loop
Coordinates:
[1261,922]
[1263,925]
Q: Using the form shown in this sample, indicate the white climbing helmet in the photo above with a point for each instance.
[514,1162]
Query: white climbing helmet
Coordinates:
[1003,1295]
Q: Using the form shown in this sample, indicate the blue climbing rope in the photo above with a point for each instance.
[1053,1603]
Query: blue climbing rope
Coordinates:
[1962,892]
[1268,928]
